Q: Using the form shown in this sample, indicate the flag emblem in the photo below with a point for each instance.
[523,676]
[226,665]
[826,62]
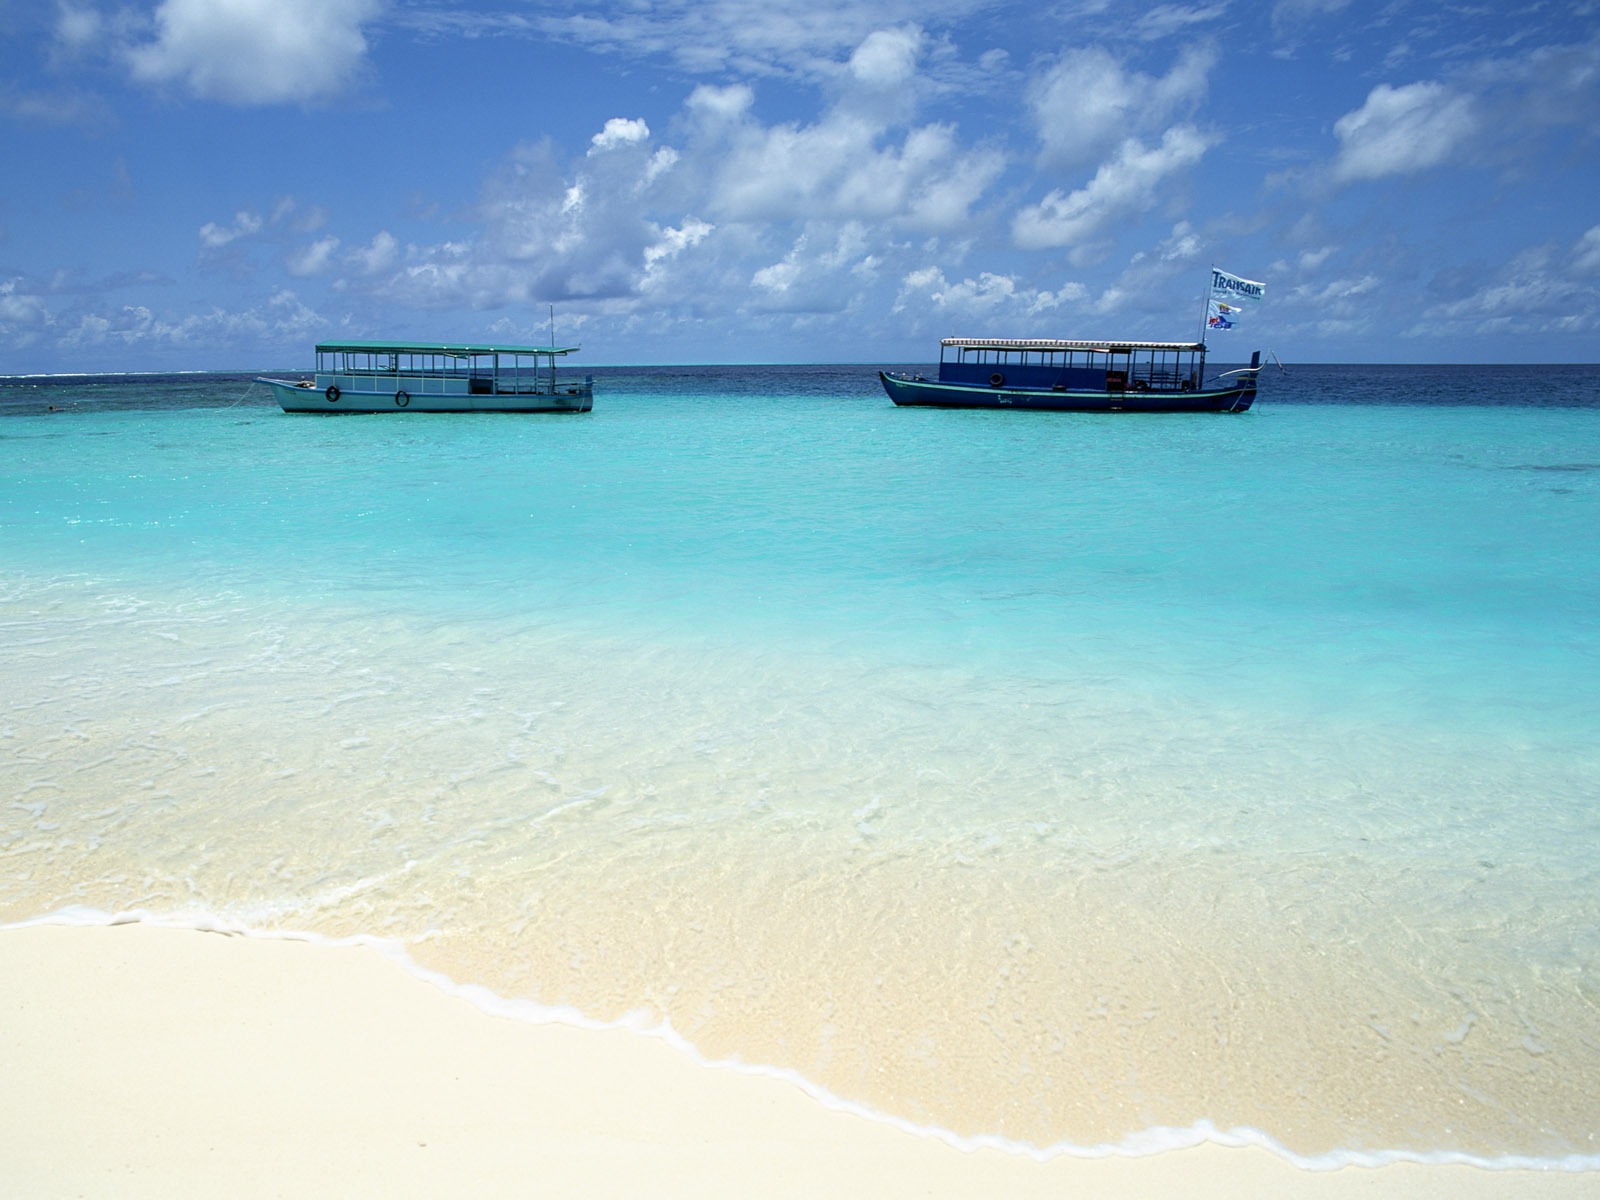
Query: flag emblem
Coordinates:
[1228,294]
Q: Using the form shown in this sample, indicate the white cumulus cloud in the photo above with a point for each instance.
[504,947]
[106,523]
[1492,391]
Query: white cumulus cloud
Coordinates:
[1401,130]
[1586,254]
[378,255]
[620,131]
[312,259]
[1087,102]
[19,309]
[214,236]
[1129,183]
[887,58]
[720,105]
[255,52]
[839,168]
[815,275]
[985,296]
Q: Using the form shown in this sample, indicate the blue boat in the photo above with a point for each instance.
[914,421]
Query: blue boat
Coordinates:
[1069,376]
[370,377]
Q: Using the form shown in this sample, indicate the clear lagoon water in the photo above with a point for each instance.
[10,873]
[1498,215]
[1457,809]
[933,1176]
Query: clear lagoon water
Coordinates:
[1063,782]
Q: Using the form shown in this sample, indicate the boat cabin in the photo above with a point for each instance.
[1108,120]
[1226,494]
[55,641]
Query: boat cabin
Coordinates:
[1052,365]
[438,369]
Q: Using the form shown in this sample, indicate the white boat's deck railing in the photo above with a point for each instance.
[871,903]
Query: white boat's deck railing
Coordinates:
[438,370]
[519,381]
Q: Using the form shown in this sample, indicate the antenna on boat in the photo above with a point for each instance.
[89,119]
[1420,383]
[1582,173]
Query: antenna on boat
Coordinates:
[552,347]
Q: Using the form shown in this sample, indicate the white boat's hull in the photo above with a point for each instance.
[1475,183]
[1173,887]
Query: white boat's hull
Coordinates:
[295,397]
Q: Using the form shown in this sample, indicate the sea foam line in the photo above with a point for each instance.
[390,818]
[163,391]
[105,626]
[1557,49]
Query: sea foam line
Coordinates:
[1155,1140]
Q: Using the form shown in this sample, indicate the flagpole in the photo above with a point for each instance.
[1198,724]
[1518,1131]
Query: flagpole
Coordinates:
[1205,306]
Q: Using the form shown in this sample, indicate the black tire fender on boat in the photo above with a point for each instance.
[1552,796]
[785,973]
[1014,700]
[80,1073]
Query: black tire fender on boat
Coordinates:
[997,380]
[332,393]
[402,398]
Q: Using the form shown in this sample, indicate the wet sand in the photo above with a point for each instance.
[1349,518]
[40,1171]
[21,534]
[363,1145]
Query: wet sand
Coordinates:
[148,1061]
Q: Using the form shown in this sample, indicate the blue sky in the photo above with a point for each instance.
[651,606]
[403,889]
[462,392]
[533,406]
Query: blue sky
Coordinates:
[219,184]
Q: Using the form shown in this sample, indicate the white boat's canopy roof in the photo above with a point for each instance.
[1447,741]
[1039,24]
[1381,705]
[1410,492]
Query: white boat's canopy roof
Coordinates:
[1057,344]
[455,349]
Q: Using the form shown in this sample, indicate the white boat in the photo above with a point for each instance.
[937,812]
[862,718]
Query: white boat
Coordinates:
[370,377]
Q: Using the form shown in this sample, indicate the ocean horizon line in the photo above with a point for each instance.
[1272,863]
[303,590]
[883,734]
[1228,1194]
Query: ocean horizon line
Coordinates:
[579,367]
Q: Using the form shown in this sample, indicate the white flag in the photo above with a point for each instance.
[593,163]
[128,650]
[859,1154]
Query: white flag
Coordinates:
[1228,294]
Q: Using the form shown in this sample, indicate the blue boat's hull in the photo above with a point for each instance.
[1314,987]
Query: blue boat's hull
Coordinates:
[914,391]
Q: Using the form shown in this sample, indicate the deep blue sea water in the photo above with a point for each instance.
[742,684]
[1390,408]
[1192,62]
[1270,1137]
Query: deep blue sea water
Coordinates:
[1075,780]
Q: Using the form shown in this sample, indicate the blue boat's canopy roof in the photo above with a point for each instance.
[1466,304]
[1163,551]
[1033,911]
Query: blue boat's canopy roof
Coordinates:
[1057,344]
[457,349]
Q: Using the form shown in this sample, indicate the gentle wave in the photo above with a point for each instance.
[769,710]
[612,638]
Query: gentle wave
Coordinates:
[1138,1145]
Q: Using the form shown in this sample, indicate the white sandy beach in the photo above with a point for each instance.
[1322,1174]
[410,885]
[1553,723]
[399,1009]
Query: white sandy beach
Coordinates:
[144,1061]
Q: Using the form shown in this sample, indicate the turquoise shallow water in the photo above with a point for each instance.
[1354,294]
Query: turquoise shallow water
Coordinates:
[1046,776]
